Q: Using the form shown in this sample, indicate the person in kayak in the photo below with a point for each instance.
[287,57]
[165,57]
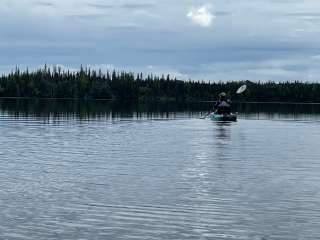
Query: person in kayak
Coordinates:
[223,105]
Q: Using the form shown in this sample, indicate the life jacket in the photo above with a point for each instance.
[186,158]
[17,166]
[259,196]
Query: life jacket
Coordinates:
[223,107]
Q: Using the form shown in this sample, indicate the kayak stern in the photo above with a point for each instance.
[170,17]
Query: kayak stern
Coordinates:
[223,117]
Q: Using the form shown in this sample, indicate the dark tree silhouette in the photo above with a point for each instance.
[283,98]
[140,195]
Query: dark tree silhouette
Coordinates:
[90,84]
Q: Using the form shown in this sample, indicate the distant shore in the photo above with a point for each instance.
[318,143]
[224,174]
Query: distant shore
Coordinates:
[87,84]
[112,100]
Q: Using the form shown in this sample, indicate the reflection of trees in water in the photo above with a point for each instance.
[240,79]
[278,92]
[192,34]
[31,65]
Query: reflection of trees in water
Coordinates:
[272,108]
[45,108]
[277,110]
[94,109]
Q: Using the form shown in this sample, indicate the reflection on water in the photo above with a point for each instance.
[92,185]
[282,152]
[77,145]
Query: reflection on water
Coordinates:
[279,111]
[90,110]
[146,177]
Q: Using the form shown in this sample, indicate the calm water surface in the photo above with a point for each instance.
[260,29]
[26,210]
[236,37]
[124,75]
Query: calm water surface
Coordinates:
[144,174]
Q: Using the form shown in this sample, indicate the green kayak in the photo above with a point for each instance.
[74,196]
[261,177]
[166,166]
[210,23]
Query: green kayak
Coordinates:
[223,117]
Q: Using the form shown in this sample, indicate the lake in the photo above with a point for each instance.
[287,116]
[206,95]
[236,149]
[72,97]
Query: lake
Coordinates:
[100,170]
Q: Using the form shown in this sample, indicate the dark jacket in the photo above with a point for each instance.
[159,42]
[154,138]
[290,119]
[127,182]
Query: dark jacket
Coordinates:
[223,107]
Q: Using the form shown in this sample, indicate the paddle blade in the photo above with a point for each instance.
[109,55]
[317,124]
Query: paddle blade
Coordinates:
[242,89]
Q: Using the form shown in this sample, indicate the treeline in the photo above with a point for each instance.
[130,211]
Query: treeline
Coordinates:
[90,84]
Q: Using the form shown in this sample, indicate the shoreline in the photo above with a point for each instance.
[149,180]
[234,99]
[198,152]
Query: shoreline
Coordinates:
[158,101]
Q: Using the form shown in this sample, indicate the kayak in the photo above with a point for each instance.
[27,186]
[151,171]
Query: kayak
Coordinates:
[223,117]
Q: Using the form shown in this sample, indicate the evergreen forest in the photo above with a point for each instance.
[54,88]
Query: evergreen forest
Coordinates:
[90,84]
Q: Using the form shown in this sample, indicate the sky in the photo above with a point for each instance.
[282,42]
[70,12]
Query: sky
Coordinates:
[189,39]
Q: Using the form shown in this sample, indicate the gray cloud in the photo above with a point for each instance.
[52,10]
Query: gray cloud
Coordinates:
[87,16]
[248,40]
[101,6]
[303,14]
[222,13]
[43,4]
[135,6]
[129,6]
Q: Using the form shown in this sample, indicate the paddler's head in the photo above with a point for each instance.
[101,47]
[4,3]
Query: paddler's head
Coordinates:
[222,96]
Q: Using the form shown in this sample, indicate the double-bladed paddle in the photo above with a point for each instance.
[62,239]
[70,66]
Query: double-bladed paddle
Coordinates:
[241,90]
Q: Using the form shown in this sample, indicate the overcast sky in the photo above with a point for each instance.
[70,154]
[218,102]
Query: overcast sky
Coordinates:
[202,40]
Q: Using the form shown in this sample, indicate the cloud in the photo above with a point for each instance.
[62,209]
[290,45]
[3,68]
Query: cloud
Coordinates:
[100,6]
[276,69]
[160,70]
[248,42]
[201,16]
[138,6]
[222,13]
[43,4]
[87,16]
[104,68]
[128,6]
